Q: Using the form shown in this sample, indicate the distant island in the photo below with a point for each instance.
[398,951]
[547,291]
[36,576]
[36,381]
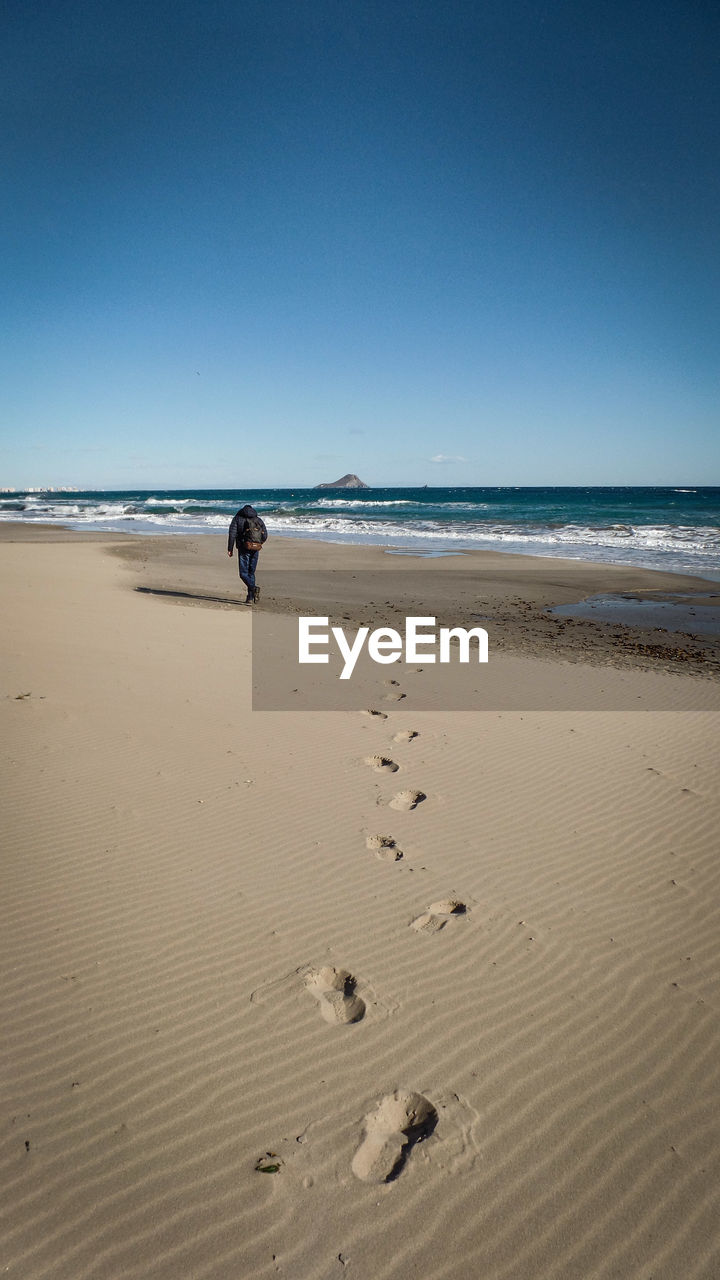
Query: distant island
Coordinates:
[345,482]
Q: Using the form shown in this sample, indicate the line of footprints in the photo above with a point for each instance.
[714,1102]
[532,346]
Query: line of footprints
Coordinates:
[401,1119]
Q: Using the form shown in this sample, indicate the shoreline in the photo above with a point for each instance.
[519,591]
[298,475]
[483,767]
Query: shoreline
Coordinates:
[658,526]
[513,593]
[395,545]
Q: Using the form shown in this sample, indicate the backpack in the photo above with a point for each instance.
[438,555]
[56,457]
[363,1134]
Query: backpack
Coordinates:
[253,534]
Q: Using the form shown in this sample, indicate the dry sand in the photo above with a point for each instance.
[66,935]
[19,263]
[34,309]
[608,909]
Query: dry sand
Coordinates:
[245,982]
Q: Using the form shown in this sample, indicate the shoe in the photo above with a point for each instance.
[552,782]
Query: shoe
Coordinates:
[249,599]
[256,594]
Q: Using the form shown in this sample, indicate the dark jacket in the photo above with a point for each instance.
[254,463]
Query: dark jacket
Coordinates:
[237,532]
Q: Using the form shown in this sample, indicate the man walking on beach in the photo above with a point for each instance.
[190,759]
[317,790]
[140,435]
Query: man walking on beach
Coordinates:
[248,533]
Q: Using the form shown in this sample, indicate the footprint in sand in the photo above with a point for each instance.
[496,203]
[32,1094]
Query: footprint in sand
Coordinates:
[334,989]
[406,735]
[381,715]
[406,800]
[394,696]
[384,847]
[382,764]
[399,1121]
[438,914]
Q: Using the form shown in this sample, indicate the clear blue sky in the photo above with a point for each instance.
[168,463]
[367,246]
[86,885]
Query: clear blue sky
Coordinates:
[268,242]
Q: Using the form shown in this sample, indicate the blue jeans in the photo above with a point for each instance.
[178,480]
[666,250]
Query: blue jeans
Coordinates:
[247,562]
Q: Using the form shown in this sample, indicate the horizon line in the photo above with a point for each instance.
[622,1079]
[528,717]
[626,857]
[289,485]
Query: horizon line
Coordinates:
[109,488]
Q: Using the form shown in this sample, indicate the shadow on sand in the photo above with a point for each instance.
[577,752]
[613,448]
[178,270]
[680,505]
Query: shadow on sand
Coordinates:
[189,595]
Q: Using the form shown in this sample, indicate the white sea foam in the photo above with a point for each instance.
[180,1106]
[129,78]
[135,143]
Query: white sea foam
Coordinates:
[364,503]
[683,549]
[402,522]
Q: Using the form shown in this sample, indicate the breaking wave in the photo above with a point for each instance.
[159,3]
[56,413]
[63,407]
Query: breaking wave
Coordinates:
[672,528]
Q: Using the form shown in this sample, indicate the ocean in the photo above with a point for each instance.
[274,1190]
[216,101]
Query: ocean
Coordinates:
[661,528]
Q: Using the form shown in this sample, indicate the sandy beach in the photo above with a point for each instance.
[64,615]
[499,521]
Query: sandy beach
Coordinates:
[383,993]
